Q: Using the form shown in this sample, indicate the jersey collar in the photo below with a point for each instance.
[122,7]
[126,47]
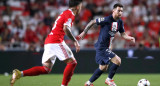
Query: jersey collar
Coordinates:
[71,11]
[113,18]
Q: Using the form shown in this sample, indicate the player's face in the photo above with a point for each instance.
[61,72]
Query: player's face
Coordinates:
[118,12]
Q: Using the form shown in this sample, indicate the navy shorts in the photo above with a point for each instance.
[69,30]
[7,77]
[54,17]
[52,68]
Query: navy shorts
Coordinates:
[103,56]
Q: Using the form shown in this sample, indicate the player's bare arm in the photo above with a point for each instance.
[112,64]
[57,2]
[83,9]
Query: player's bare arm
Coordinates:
[70,35]
[125,36]
[89,25]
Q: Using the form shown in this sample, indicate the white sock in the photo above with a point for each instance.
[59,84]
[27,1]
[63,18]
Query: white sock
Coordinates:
[108,78]
[21,73]
[88,82]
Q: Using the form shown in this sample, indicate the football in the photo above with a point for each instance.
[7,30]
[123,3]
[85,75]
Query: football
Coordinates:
[143,82]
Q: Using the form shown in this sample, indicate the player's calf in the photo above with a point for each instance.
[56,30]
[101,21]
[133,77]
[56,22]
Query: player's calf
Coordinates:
[37,70]
[68,72]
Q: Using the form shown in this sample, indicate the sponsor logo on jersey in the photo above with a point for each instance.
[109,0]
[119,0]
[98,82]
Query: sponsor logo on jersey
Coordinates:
[114,28]
[100,20]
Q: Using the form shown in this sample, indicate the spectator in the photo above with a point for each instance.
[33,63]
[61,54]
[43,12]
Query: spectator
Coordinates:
[154,25]
[31,39]
[48,19]
[35,17]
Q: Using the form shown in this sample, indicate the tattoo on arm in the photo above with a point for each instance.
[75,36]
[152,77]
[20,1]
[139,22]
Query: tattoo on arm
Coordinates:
[89,25]
[69,33]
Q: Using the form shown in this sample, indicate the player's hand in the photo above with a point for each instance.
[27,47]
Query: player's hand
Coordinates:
[82,35]
[77,46]
[132,39]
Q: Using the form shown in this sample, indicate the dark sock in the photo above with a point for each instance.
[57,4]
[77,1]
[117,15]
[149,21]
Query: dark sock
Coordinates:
[113,70]
[96,75]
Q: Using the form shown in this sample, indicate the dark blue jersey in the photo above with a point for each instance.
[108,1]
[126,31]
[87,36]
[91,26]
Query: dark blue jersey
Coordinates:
[109,27]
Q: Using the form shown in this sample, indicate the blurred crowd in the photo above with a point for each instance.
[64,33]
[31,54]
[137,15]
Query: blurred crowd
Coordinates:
[24,24]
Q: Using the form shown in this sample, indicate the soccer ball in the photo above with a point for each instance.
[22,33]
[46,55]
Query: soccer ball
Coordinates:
[143,82]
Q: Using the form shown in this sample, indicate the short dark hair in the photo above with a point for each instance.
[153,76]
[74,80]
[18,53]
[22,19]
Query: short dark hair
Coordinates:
[73,3]
[117,5]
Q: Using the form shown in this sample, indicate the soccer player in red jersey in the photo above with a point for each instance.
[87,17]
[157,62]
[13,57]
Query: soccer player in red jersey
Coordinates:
[55,47]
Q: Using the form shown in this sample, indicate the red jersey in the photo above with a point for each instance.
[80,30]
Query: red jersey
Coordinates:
[57,33]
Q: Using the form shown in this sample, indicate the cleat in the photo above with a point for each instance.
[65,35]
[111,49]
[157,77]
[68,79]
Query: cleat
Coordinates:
[88,84]
[15,76]
[110,82]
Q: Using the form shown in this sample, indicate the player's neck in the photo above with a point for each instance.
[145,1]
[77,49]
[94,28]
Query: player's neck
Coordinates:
[73,10]
[114,17]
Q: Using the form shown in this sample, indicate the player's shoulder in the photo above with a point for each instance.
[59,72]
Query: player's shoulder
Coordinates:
[108,18]
[67,12]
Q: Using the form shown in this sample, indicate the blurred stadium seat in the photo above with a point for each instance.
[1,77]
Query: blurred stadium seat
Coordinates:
[141,20]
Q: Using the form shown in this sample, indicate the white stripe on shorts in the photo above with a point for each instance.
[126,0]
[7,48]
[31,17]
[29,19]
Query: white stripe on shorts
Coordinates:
[64,51]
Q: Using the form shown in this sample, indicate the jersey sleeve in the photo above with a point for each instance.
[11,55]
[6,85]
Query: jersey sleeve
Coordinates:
[68,21]
[121,29]
[101,21]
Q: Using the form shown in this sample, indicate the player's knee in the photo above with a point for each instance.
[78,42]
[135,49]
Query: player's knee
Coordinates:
[74,62]
[48,70]
[103,68]
[118,62]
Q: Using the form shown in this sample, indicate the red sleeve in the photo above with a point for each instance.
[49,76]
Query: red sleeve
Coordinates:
[68,20]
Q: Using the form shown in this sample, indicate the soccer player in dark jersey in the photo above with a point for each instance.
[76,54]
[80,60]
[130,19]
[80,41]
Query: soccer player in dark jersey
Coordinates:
[110,25]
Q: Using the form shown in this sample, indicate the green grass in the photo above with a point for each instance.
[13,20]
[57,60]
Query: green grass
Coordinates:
[80,79]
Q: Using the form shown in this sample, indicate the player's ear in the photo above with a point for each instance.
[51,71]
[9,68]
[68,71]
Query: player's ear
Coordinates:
[112,10]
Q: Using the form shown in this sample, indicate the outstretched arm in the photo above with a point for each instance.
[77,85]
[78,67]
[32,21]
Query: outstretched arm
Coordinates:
[89,25]
[125,36]
[70,35]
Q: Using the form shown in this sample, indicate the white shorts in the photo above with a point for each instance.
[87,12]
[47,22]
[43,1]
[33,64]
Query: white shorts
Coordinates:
[56,50]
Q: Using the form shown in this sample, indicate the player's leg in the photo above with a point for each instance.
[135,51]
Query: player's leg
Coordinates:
[37,70]
[116,63]
[68,71]
[66,55]
[97,73]
[48,60]
[34,71]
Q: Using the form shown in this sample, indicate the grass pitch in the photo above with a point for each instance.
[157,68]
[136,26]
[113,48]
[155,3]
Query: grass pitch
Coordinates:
[80,79]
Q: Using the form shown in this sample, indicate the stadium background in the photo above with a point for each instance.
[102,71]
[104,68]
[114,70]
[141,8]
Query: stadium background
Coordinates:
[24,24]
